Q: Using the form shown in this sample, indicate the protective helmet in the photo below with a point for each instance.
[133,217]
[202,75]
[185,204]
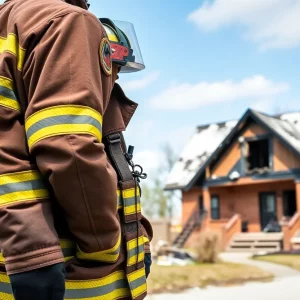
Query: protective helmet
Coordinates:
[124,44]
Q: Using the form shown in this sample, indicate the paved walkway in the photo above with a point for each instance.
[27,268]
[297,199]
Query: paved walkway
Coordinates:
[286,285]
[287,288]
[279,271]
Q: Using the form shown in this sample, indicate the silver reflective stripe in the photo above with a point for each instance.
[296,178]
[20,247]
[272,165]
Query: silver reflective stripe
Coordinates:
[5,288]
[65,119]
[138,282]
[21,186]
[128,201]
[135,251]
[7,93]
[96,292]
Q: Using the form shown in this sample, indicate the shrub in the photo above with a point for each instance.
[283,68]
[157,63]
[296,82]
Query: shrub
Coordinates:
[207,246]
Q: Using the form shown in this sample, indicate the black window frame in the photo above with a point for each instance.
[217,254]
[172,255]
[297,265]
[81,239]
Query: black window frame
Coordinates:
[246,171]
[215,212]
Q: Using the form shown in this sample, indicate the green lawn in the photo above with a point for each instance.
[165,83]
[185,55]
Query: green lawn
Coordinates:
[176,278]
[292,261]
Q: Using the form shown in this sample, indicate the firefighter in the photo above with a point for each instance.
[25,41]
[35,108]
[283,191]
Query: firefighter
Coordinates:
[70,213]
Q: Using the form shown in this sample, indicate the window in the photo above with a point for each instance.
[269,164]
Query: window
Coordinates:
[258,155]
[201,203]
[215,207]
[289,203]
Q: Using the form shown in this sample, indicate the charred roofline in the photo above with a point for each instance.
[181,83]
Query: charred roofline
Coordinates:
[248,114]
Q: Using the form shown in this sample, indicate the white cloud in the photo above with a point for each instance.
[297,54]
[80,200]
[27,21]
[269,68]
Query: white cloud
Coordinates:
[141,83]
[269,23]
[149,160]
[188,96]
[264,105]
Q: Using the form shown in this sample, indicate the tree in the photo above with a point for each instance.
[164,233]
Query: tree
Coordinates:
[155,201]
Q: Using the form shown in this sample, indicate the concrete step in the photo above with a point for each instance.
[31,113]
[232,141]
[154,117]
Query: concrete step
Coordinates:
[253,242]
[259,236]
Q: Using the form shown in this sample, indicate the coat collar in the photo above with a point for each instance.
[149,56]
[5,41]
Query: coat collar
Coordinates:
[79,3]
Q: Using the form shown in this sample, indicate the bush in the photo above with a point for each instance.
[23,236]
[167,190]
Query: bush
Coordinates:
[207,246]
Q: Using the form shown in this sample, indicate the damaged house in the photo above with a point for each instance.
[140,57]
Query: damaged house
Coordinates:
[237,178]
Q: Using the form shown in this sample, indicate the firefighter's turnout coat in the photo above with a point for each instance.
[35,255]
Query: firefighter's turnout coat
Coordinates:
[61,198]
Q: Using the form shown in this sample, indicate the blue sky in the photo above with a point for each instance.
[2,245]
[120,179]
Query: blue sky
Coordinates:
[206,61]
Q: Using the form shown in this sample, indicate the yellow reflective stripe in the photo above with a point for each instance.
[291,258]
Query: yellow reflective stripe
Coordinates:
[4,296]
[129,206]
[19,177]
[64,129]
[139,290]
[6,82]
[129,210]
[135,246]
[6,91]
[61,120]
[138,276]
[116,294]
[146,240]
[2,259]
[61,110]
[19,197]
[11,45]
[22,186]
[12,104]
[89,284]
[110,255]
[87,289]
[129,193]
[4,278]
[133,259]
[133,243]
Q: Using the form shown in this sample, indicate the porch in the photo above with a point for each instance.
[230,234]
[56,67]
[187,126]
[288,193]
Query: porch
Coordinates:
[242,210]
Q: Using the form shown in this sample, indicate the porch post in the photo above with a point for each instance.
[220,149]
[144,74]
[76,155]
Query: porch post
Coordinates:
[297,188]
[289,229]
[206,203]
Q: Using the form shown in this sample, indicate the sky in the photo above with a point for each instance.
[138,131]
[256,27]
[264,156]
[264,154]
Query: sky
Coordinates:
[206,61]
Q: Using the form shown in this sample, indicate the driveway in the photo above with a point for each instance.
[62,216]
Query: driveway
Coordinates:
[286,285]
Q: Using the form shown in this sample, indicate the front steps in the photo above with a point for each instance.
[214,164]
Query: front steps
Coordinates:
[256,242]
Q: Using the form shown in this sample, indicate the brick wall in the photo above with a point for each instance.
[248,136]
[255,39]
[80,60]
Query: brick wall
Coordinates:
[244,200]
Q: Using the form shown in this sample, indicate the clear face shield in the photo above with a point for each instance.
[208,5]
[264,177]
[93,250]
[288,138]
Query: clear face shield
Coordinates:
[135,60]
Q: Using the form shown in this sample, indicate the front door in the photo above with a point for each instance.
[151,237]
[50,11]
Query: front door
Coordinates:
[268,212]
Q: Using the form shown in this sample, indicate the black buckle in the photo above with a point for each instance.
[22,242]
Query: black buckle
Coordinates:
[114,138]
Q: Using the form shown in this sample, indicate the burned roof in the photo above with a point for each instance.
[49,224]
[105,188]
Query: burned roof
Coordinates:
[198,149]
[209,138]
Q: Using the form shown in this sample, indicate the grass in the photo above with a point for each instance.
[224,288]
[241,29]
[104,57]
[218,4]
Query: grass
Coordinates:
[177,278]
[292,261]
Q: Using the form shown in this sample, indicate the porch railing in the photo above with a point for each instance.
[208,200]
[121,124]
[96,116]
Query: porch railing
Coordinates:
[289,230]
[233,227]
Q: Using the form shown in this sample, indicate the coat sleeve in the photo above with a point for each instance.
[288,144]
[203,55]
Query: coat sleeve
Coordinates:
[68,92]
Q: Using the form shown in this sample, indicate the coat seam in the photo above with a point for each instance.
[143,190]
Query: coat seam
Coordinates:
[30,257]
[92,225]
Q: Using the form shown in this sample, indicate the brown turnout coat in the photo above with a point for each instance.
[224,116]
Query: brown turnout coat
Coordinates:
[59,194]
